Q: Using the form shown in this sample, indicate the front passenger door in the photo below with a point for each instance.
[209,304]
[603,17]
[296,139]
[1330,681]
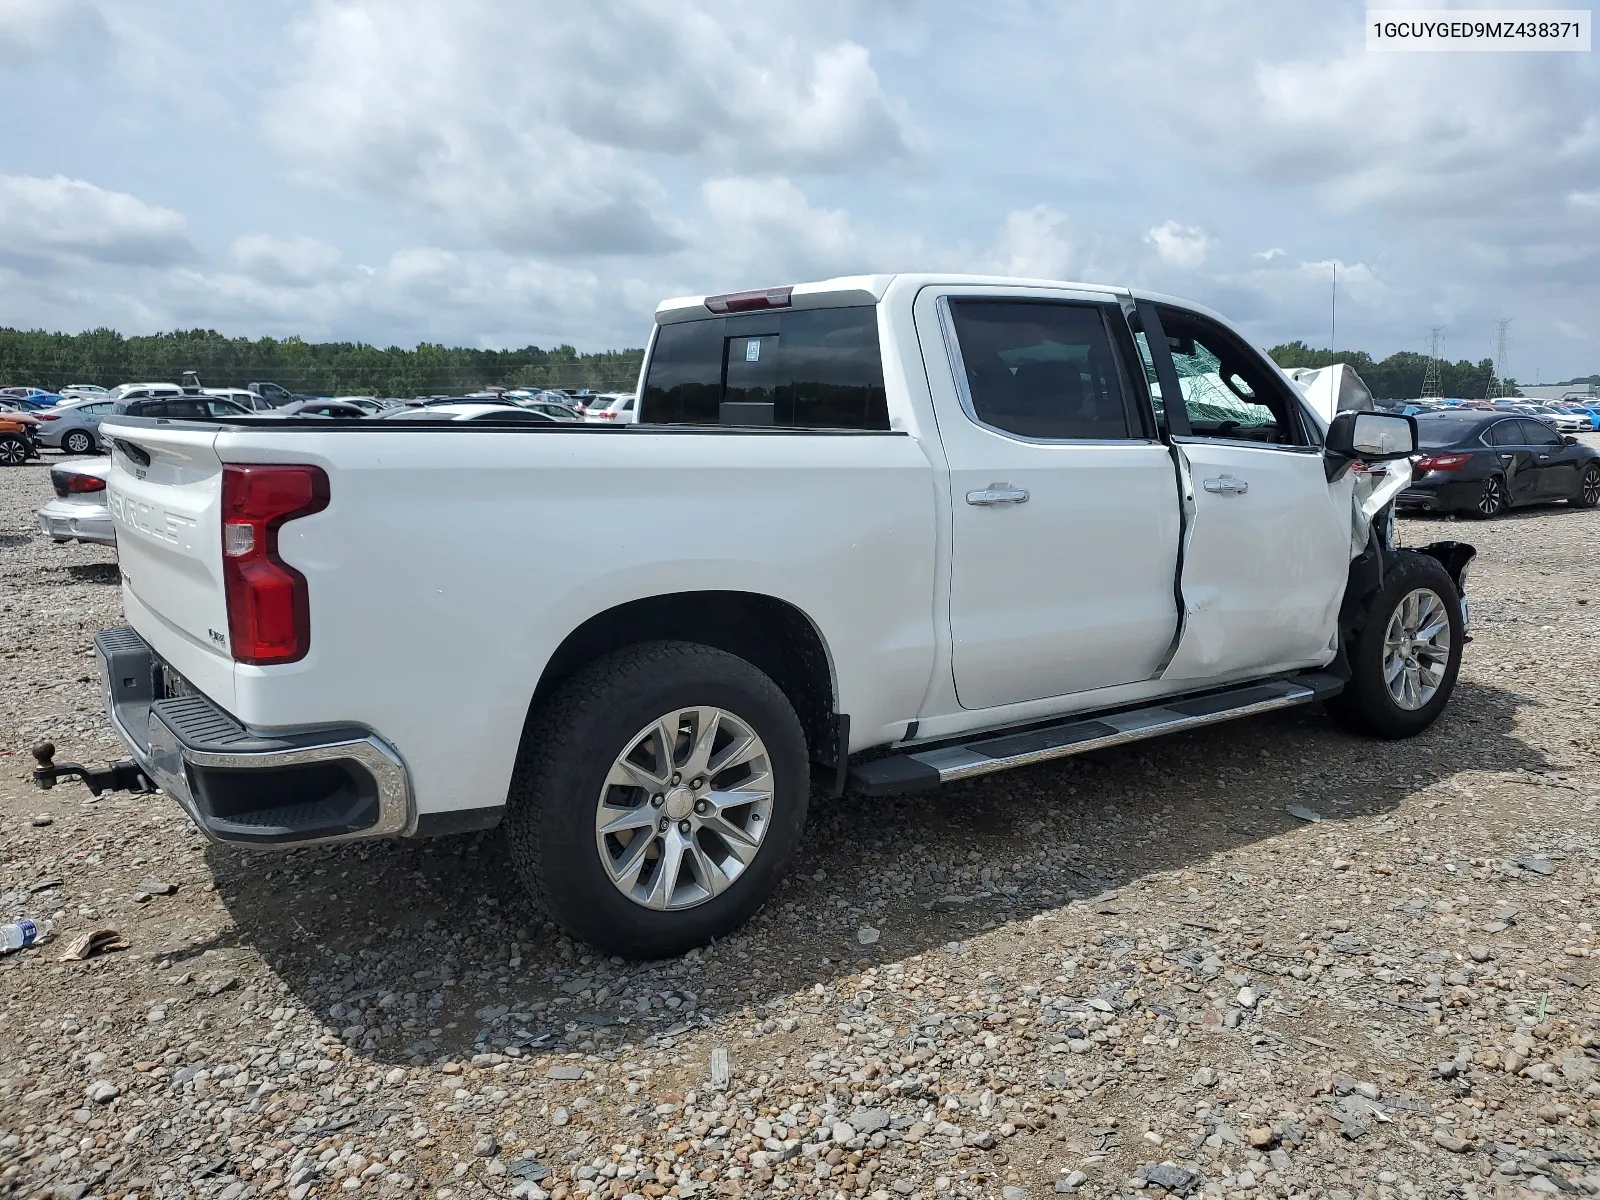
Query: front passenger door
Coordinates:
[1555,470]
[1267,553]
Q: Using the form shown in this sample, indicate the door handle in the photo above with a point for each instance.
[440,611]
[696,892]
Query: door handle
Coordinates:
[1226,485]
[998,493]
[1544,458]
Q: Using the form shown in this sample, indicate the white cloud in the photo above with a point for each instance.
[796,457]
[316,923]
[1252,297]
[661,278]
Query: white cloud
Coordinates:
[537,128]
[32,31]
[298,259]
[1181,246]
[50,221]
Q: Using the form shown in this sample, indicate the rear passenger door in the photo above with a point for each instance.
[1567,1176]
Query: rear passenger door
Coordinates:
[1510,443]
[1064,504]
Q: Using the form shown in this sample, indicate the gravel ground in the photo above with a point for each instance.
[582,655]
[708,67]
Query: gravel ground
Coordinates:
[1132,973]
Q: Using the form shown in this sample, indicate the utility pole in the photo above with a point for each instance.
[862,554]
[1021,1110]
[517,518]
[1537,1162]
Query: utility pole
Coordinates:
[1432,385]
[1333,315]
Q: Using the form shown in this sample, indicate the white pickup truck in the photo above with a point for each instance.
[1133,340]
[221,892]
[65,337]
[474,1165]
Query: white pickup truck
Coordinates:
[961,523]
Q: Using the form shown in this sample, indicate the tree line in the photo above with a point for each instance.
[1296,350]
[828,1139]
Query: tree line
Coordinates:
[1400,376]
[103,356]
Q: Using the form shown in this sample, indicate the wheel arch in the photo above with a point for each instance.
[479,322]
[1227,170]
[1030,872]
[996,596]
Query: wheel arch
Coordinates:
[772,635]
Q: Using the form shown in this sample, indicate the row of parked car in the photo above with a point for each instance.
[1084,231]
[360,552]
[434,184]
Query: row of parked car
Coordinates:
[1578,416]
[70,420]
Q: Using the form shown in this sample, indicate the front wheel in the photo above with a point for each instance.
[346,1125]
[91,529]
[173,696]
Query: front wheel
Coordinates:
[1588,488]
[658,798]
[13,450]
[1405,660]
[78,442]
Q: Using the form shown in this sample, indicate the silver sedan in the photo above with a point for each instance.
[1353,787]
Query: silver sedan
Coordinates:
[79,512]
[73,427]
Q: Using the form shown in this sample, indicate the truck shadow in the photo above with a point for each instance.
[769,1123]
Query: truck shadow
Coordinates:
[422,951]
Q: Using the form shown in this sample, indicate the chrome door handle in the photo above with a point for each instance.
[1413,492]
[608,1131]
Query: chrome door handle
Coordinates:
[998,493]
[1226,485]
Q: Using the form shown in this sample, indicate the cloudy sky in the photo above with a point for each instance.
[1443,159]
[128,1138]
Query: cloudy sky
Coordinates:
[484,173]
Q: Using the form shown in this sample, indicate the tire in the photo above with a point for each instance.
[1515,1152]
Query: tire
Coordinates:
[1588,494]
[1493,500]
[573,747]
[1369,705]
[78,442]
[13,450]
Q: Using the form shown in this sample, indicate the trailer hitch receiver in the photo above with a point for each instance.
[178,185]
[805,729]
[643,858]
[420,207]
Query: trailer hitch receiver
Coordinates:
[123,775]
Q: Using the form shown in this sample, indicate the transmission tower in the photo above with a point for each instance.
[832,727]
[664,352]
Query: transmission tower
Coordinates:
[1501,328]
[1432,385]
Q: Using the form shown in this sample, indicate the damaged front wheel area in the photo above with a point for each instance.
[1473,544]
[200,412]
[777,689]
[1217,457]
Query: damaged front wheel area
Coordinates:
[1405,659]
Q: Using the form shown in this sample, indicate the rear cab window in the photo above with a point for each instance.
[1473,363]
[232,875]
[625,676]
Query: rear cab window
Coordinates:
[816,368]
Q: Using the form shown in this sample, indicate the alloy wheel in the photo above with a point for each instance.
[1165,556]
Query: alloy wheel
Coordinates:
[77,443]
[1416,648]
[1591,486]
[684,809]
[12,452]
[1493,498]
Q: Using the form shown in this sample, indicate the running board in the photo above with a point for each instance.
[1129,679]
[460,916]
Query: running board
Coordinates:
[923,769]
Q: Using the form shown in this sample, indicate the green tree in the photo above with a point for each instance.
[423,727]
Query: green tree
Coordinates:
[103,356]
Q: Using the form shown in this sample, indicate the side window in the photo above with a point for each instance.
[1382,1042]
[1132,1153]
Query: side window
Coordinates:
[1506,433]
[1041,369]
[817,368]
[1538,433]
[1227,392]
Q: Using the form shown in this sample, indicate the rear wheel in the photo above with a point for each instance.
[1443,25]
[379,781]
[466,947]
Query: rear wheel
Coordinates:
[1405,659]
[1493,500]
[658,798]
[13,450]
[1588,488]
[78,442]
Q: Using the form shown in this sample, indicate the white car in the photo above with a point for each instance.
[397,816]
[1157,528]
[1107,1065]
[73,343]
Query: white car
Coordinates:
[243,397]
[870,534]
[79,512]
[612,408]
[83,391]
[1565,422]
[142,391]
[468,410]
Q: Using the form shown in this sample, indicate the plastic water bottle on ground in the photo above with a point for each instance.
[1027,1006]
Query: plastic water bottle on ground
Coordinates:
[21,934]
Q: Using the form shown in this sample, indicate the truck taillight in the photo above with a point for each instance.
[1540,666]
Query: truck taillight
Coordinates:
[269,607]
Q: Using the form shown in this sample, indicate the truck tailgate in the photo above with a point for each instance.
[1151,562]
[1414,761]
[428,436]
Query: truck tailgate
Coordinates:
[165,496]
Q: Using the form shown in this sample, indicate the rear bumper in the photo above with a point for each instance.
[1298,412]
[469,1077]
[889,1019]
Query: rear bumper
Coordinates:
[66,521]
[239,786]
[1446,495]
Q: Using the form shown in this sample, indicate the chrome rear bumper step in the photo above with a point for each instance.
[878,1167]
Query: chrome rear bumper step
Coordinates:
[923,769]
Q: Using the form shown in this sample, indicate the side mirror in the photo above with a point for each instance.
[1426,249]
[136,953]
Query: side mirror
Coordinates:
[1569,439]
[1371,436]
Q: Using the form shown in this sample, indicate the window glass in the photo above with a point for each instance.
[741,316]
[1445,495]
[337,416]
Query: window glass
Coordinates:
[1151,381]
[1227,393]
[1040,369]
[1506,433]
[813,369]
[1538,433]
